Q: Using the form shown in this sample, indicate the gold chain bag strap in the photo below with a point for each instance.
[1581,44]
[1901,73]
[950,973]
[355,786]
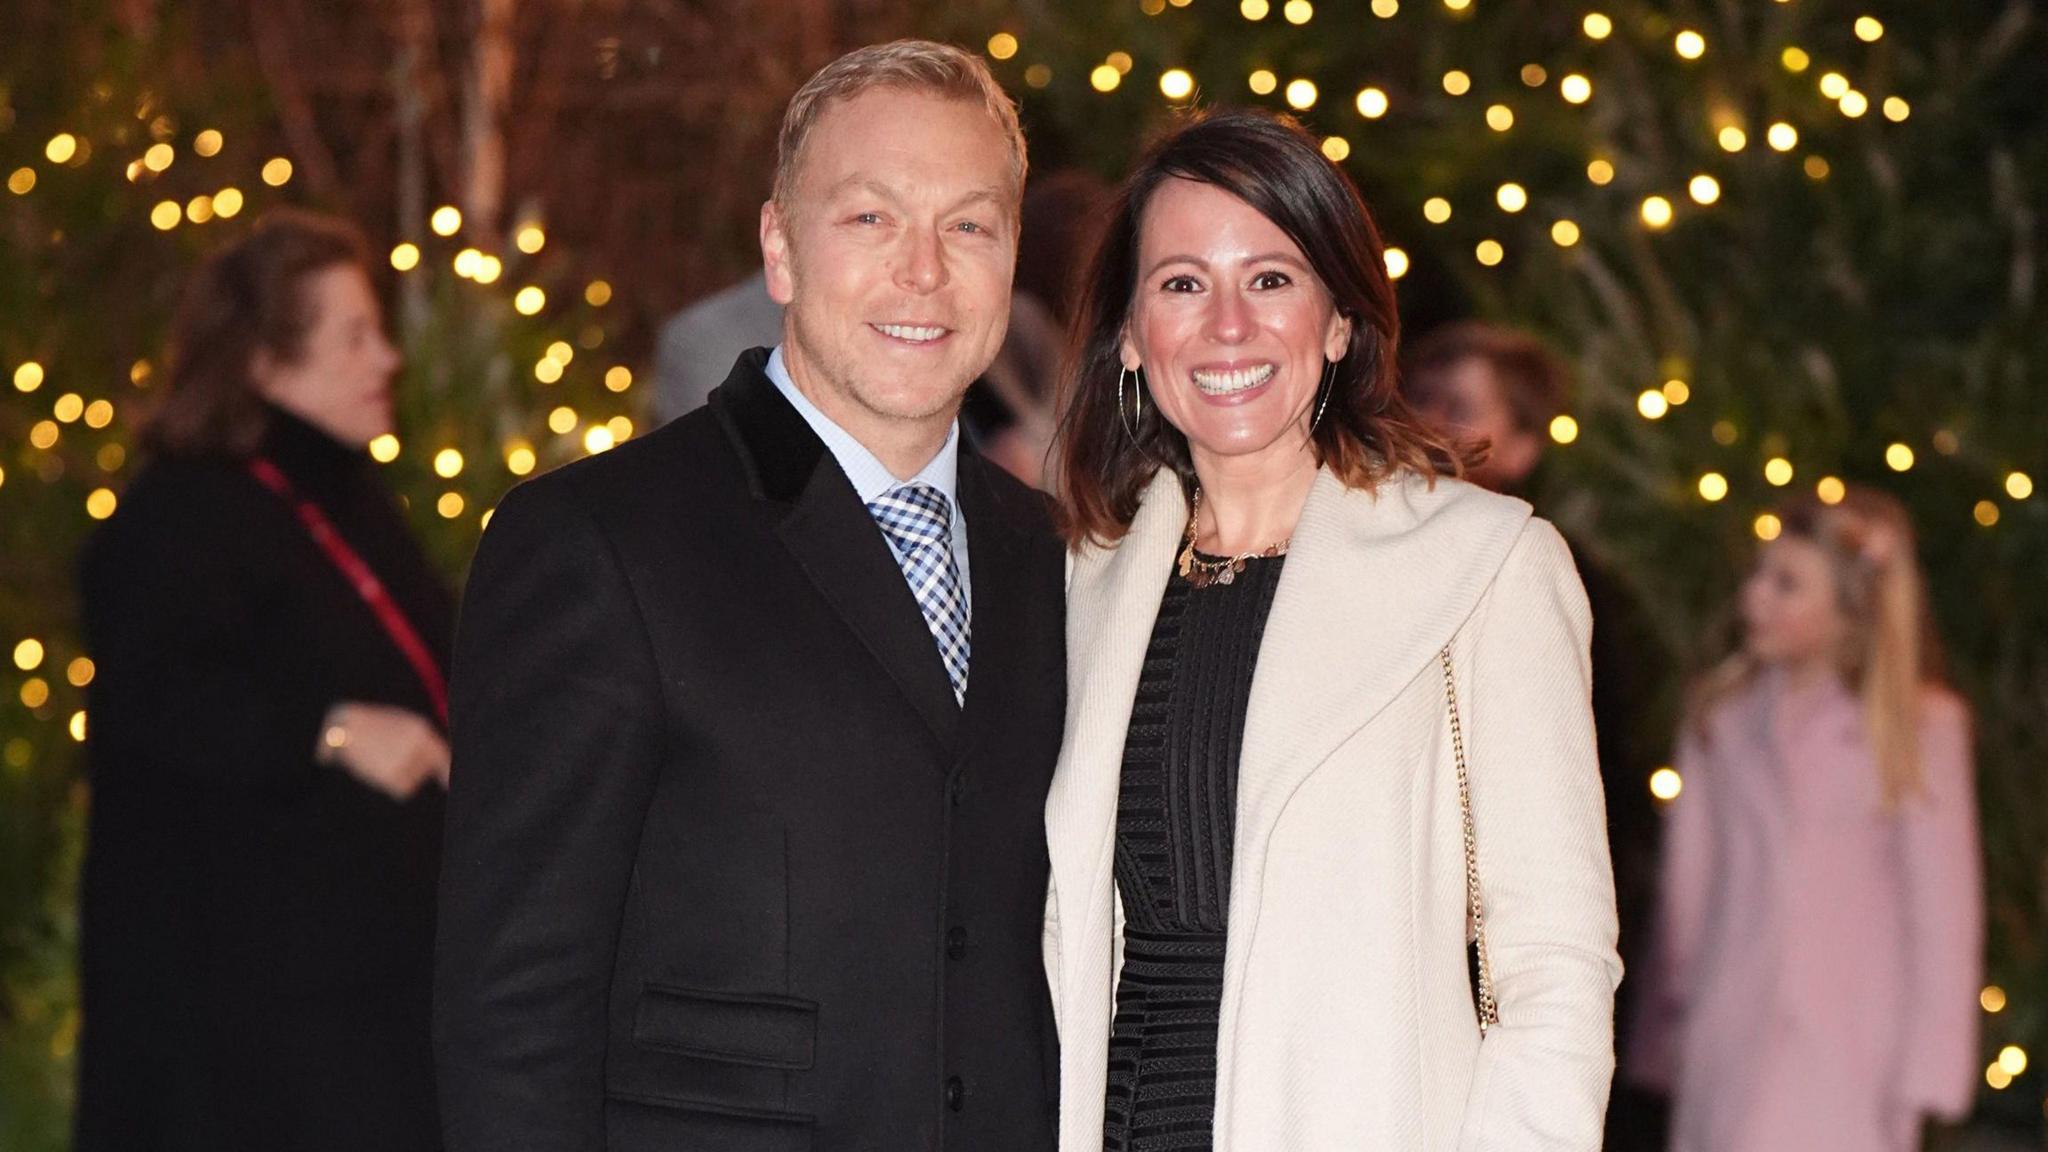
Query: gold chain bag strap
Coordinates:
[1489,1008]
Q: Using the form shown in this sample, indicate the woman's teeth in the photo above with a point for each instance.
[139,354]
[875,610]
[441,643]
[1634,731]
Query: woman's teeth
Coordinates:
[1236,380]
[915,335]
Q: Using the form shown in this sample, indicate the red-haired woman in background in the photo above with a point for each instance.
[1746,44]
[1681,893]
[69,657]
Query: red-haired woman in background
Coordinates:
[1822,922]
[266,756]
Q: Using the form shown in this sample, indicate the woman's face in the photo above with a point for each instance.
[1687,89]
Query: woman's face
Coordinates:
[1230,325]
[341,381]
[1791,612]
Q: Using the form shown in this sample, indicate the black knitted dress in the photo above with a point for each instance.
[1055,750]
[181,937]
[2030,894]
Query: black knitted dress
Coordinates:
[1176,815]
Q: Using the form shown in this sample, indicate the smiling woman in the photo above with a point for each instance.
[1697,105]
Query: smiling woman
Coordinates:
[1236,245]
[1286,627]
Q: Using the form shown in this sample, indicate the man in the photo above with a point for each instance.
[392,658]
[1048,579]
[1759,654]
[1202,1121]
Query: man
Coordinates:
[1503,388]
[754,717]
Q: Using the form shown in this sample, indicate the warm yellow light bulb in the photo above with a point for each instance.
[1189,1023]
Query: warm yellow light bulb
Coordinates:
[618,378]
[1831,490]
[166,215]
[1336,148]
[61,148]
[1298,11]
[1869,29]
[1854,104]
[1301,94]
[446,220]
[1657,212]
[1500,117]
[1511,197]
[1564,233]
[1436,209]
[1782,137]
[519,458]
[1575,88]
[1397,263]
[450,505]
[1002,46]
[1490,252]
[277,172]
[1666,784]
[384,449]
[1690,44]
[1713,487]
[1768,527]
[1896,110]
[1105,78]
[448,463]
[1899,458]
[1795,60]
[1597,25]
[1457,82]
[28,655]
[1600,172]
[1652,404]
[1263,82]
[1833,85]
[1372,103]
[1704,189]
[1778,471]
[100,504]
[531,239]
[1564,429]
[227,203]
[529,301]
[1176,84]
[1733,139]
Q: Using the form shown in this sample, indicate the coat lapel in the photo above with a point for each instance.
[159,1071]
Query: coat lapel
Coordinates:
[1112,600]
[833,538]
[997,571]
[1376,584]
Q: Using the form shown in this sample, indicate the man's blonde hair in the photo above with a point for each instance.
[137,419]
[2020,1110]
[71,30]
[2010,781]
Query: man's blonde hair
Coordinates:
[908,65]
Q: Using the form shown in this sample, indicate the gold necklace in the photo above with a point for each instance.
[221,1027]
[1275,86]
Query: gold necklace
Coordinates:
[1201,571]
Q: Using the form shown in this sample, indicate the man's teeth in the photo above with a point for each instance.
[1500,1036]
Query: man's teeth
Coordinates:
[913,334]
[1237,380]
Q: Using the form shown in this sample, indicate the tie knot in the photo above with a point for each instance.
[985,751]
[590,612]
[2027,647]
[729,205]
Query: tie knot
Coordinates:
[914,516]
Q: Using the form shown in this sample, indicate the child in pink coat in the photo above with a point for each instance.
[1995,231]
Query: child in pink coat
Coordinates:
[1821,934]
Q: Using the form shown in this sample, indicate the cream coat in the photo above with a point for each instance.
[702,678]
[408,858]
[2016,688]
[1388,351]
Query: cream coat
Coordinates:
[1347,1018]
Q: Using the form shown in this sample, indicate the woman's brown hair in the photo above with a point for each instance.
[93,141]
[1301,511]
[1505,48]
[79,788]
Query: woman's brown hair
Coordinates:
[1368,432]
[246,298]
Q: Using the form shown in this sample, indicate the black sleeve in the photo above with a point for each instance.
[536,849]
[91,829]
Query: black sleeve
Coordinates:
[557,735]
[191,676]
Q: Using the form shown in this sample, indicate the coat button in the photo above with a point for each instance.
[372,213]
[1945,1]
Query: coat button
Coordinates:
[956,1093]
[956,943]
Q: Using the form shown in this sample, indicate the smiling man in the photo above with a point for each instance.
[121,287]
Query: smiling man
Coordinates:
[754,717]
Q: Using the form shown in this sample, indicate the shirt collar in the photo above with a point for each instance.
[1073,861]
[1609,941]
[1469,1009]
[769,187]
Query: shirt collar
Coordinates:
[871,478]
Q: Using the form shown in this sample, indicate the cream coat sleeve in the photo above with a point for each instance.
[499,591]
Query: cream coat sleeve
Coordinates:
[1944,900]
[1543,1073]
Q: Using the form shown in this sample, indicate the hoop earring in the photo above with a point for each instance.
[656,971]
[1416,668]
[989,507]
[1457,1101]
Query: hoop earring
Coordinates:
[1130,422]
[1329,386]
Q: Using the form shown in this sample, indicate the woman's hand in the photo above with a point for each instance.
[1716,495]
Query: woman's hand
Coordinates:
[390,749]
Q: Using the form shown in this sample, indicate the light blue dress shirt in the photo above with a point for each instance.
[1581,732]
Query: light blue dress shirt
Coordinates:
[871,478]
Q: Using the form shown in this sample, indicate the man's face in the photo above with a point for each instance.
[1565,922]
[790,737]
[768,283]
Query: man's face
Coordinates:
[893,259]
[1469,402]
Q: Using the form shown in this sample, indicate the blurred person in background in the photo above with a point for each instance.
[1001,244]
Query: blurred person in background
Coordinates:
[1499,388]
[266,756]
[1009,411]
[1820,945]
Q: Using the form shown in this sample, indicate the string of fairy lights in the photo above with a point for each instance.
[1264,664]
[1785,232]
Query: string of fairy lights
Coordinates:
[1655,212]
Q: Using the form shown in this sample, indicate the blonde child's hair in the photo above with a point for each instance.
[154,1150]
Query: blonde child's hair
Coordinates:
[1891,655]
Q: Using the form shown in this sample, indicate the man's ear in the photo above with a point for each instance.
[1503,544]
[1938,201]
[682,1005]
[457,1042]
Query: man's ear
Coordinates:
[775,261]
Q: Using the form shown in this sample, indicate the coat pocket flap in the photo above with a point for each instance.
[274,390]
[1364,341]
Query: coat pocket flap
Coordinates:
[765,1031]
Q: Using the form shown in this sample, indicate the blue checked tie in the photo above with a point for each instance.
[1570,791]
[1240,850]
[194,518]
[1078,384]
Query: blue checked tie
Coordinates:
[918,519]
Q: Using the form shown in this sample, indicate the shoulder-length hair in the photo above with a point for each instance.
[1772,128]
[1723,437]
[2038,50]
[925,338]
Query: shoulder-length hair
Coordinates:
[1892,656]
[247,298]
[1368,432]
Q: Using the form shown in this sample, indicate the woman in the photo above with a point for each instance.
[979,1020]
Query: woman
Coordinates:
[1256,934]
[266,756]
[1822,926]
